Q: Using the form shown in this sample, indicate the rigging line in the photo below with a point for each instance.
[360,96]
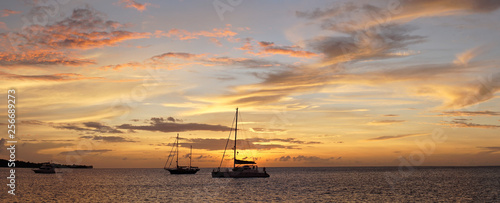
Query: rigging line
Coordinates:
[173,145]
[244,135]
[248,143]
[227,142]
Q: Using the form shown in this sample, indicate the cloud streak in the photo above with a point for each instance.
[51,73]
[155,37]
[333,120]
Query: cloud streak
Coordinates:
[491,149]
[133,4]
[471,113]
[8,12]
[212,144]
[388,137]
[84,152]
[270,49]
[187,35]
[107,138]
[88,127]
[55,44]
[385,122]
[463,124]
[53,77]
[177,60]
[162,125]
[302,158]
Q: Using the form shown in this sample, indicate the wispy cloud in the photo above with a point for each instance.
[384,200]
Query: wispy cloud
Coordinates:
[463,124]
[388,137]
[490,149]
[166,125]
[266,130]
[285,140]
[465,57]
[88,127]
[391,115]
[249,143]
[55,44]
[219,144]
[302,158]
[177,60]
[134,4]
[8,12]
[84,152]
[3,26]
[385,122]
[181,34]
[266,49]
[32,122]
[42,57]
[471,113]
[352,17]
[53,77]
[107,138]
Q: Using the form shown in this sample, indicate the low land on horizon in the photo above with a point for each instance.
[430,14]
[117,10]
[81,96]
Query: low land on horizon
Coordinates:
[27,164]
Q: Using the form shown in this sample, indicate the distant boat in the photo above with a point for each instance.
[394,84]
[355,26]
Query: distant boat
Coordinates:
[179,169]
[45,168]
[241,168]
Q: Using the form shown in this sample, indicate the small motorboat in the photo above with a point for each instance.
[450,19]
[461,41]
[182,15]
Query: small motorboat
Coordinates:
[45,168]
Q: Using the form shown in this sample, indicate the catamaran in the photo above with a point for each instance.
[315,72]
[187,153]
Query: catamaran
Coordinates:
[241,168]
[179,169]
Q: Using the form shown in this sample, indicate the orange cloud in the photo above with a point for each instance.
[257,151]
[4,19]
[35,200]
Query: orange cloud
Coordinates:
[7,12]
[120,66]
[350,17]
[182,59]
[3,26]
[84,29]
[247,45]
[269,49]
[462,124]
[41,57]
[216,41]
[133,4]
[471,113]
[385,122]
[186,35]
[182,55]
[289,52]
[395,136]
[465,57]
[53,77]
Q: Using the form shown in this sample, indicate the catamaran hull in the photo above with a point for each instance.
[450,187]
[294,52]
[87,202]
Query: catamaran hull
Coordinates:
[175,171]
[237,174]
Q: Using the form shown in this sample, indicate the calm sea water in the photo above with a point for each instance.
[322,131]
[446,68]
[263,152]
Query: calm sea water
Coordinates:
[285,184]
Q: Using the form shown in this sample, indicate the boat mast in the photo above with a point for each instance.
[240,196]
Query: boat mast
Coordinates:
[177,161]
[190,154]
[235,135]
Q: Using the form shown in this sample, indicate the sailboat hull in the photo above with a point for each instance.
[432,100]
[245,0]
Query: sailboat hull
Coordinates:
[183,171]
[239,174]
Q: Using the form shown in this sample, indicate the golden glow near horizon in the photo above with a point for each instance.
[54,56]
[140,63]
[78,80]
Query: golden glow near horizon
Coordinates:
[318,83]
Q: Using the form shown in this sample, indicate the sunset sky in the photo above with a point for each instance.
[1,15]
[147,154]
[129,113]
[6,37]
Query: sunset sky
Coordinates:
[358,83]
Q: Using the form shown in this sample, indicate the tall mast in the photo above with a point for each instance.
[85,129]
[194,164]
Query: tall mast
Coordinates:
[190,154]
[177,162]
[235,135]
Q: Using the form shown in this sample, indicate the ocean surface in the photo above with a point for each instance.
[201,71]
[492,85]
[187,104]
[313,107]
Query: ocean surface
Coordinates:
[339,184]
